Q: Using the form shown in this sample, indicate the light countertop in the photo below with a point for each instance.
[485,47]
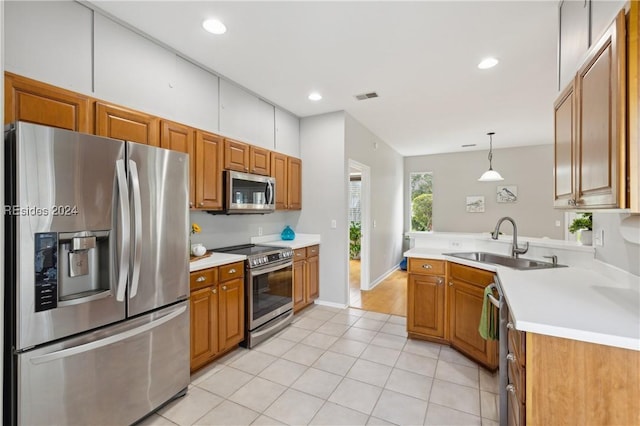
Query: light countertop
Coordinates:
[597,304]
[300,240]
[216,259]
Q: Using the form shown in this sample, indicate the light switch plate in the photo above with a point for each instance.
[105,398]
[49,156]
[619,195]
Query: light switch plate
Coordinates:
[334,224]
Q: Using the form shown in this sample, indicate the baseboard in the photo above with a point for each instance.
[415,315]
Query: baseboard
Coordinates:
[383,277]
[330,304]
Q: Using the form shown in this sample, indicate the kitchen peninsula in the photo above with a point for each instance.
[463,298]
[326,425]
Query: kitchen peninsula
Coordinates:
[584,318]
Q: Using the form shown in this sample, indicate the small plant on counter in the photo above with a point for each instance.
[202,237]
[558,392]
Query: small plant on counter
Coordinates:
[355,234]
[582,222]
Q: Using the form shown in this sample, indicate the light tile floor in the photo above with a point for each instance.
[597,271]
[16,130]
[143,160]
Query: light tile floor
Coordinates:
[338,367]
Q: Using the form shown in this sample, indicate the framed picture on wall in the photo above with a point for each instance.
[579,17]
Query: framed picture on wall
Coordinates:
[475,204]
[506,193]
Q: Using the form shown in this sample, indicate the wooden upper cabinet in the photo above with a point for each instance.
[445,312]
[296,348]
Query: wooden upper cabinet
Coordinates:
[633,78]
[279,172]
[208,157]
[601,117]
[236,155]
[178,137]
[259,161]
[122,123]
[294,179]
[564,170]
[35,102]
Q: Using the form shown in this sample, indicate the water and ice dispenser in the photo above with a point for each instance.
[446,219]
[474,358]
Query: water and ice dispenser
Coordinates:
[71,268]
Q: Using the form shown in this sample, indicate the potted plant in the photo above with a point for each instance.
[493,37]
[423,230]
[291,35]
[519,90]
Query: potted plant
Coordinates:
[355,233]
[583,227]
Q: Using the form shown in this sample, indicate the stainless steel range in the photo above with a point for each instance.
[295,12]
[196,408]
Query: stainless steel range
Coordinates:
[269,289]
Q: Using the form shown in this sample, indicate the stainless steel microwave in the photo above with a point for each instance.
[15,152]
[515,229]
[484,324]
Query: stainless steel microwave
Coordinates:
[249,193]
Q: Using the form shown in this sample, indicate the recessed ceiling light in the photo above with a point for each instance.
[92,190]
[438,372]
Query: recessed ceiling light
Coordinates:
[487,63]
[315,96]
[214,26]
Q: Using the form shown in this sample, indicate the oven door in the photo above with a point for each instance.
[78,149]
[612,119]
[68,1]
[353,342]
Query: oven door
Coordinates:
[270,292]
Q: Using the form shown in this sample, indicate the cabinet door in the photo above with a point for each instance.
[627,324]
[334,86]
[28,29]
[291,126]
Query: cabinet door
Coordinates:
[425,312]
[313,278]
[564,157]
[279,172]
[177,137]
[208,157]
[294,178]
[236,155]
[34,102]
[601,121]
[574,39]
[122,123]
[231,313]
[204,325]
[299,296]
[465,308]
[259,161]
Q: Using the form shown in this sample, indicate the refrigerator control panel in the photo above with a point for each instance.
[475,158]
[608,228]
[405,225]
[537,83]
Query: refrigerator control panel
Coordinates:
[46,271]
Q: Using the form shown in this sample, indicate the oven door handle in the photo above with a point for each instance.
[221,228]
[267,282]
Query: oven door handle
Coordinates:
[260,271]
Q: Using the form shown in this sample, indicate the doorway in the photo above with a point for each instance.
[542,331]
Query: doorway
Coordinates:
[359,220]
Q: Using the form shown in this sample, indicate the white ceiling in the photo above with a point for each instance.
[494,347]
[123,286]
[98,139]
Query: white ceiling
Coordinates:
[421,58]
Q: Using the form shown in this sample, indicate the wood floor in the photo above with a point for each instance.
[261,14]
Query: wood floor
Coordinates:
[388,297]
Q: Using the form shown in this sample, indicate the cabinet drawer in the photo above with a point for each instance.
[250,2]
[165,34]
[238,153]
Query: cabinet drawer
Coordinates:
[516,410]
[204,278]
[471,275]
[313,251]
[517,378]
[300,254]
[517,343]
[231,271]
[426,266]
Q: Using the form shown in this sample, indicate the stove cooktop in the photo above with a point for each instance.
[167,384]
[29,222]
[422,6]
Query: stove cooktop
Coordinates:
[258,255]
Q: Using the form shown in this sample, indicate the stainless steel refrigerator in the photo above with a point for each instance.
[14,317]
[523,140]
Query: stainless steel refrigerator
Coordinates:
[97,278]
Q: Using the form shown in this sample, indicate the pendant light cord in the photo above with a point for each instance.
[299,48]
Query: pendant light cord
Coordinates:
[490,149]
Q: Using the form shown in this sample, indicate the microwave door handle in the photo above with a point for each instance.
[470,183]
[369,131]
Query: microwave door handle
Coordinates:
[125,225]
[270,191]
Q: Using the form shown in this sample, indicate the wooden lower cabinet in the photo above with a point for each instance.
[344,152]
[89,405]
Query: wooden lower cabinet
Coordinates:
[572,382]
[217,312]
[444,304]
[306,276]
[426,296]
[466,297]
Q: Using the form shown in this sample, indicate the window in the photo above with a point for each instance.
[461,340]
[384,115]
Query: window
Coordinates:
[421,185]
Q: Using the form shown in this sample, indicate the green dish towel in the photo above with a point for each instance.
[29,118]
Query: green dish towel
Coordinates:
[488,327]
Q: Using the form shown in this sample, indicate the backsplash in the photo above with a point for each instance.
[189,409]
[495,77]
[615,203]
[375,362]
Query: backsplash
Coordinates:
[616,250]
[223,230]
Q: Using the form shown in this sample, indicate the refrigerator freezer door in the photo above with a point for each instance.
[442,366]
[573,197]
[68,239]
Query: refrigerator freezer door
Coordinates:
[159,191]
[112,376]
[62,183]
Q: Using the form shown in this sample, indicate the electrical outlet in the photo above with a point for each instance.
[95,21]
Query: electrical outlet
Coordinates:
[334,224]
[598,237]
[259,231]
[374,223]
[454,244]
[558,223]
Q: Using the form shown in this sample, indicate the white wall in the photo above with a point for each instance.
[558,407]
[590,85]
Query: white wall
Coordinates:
[616,250]
[386,206]
[324,198]
[2,26]
[455,177]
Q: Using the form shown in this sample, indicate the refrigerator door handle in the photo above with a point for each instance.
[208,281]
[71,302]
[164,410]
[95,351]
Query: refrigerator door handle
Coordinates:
[137,218]
[125,222]
[64,353]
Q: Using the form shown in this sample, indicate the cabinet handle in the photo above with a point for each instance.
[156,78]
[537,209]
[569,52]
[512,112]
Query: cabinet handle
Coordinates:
[201,204]
[200,279]
[232,271]
[511,388]
[190,203]
[450,283]
[214,290]
[511,357]
[427,266]
[510,326]
[440,281]
[224,287]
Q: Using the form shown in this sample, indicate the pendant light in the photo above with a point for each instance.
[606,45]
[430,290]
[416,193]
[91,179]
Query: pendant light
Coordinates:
[490,175]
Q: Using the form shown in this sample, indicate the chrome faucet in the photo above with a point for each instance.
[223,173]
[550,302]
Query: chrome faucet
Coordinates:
[515,250]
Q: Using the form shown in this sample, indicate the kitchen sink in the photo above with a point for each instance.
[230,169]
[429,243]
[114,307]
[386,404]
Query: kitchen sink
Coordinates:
[498,259]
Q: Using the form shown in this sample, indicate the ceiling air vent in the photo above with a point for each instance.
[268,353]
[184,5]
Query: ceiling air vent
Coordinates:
[364,96]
